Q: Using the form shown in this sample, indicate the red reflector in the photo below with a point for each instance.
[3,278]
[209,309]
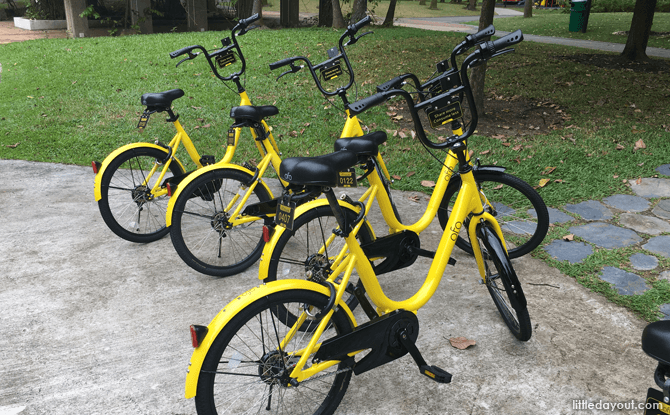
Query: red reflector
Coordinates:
[96,166]
[169,189]
[197,334]
[266,234]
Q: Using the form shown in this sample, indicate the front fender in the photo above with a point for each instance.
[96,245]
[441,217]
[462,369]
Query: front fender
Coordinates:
[279,231]
[200,172]
[114,154]
[236,306]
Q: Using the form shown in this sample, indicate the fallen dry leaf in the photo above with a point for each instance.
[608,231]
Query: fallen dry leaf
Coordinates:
[485,152]
[461,343]
[638,181]
[619,147]
[415,198]
[498,136]
[13,145]
[543,182]
[569,238]
[498,187]
[639,144]
[427,183]
[410,174]
[395,176]
[548,170]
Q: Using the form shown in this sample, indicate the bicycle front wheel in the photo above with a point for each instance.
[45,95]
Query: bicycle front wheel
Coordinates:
[308,251]
[247,368]
[202,228]
[502,285]
[517,207]
[128,206]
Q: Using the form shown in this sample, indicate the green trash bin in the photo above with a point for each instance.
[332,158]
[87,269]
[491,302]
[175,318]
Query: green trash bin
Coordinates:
[579,15]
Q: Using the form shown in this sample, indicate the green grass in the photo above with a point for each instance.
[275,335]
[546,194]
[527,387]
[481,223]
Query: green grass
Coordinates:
[600,27]
[73,101]
[403,8]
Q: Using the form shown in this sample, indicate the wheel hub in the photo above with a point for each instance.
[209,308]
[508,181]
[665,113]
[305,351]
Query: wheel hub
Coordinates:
[220,222]
[141,195]
[316,267]
[273,368]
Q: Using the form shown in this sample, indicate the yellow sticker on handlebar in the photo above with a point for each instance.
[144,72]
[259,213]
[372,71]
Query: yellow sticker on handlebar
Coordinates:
[332,71]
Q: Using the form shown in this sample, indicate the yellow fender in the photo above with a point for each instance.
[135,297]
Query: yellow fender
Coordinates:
[232,309]
[114,154]
[279,231]
[198,173]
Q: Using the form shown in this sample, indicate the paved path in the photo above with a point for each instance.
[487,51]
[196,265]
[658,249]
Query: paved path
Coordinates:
[456,24]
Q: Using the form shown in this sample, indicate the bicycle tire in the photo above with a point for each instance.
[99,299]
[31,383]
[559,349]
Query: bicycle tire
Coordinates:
[242,371]
[126,207]
[514,201]
[300,248]
[514,314]
[200,230]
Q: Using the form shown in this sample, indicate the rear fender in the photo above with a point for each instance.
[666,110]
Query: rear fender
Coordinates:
[200,172]
[114,154]
[235,307]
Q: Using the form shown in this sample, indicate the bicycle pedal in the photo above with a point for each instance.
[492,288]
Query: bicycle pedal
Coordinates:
[436,374]
[207,160]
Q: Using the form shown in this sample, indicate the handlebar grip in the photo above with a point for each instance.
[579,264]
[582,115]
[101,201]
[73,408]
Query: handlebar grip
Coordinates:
[182,51]
[358,25]
[392,84]
[365,103]
[249,20]
[482,34]
[279,64]
[488,49]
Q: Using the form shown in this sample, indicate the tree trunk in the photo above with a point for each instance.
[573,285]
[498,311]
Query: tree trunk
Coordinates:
[422,2]
[390,14]
[478,74]
[338,19]
[258,8]
[326,13]
[640,26]
[472,5]
[433,5]
[528,9]
[358,13]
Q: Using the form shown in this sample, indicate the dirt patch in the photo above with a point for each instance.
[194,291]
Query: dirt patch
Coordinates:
[616,62]
[515,116]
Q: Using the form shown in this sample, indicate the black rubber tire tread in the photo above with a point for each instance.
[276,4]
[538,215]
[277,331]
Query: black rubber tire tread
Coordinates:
[517,318]
[118,177]
[530,198]
[193,235]
[238,341]
[315,218]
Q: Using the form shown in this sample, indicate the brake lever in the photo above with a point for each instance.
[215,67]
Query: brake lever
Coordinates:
[190,56]
[353,40]
[502,52]
[293,69]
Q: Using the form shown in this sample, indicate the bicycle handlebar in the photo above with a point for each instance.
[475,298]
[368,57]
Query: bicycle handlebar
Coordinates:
[483,53]
[350,33]
[241,28]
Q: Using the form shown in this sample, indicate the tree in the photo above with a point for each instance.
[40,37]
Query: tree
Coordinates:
[528,9]
[390,14]
[338,19]
[478,74]
[472,5]
[258,8]
[640,27]
[433,5]
[359,10]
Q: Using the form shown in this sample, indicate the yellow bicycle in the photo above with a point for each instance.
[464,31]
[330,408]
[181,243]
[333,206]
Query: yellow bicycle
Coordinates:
[221,215]
[131,184]
[291,346]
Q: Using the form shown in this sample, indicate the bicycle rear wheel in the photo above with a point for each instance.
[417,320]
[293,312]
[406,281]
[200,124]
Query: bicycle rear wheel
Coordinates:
[517,207]
[503,285]
[202,232]
[305,254]
[127,205]
[246,370]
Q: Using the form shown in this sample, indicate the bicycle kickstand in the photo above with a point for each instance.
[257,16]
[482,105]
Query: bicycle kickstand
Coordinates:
[432,372]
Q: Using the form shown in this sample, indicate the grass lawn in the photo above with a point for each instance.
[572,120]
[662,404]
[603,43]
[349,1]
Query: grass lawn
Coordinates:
[73,101]
[601,26]
[403,8]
